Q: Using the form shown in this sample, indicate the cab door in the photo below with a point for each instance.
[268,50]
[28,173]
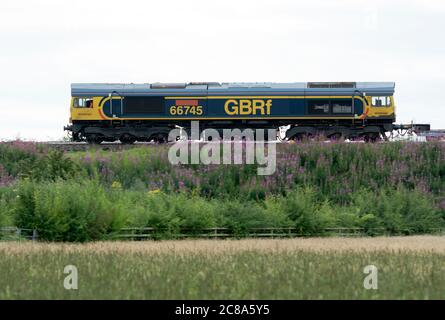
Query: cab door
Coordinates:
[116,105]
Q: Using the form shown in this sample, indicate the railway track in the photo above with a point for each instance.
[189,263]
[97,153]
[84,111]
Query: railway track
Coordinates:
[82,146]
[117,146]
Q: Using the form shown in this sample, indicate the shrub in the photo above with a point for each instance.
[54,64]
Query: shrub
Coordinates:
[301,207]
[6,207]
[54,165]
[169,213]
[17,157]
[26,159]
[398,211]
[82,211]
[67,211]
[240,216]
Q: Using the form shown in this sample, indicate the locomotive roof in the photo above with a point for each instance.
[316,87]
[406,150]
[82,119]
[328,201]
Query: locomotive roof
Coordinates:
[232,88]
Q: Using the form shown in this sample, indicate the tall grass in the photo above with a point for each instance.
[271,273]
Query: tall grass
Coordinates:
[335,171]
[121,271]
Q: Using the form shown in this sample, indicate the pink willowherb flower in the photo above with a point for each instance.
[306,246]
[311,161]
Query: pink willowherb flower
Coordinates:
[5,178]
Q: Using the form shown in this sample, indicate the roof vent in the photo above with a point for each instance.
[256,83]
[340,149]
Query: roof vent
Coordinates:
[211,84]
[159,85]
[331,85]
[249,85]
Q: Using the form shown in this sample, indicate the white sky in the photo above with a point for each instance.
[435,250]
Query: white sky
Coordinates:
[46,45]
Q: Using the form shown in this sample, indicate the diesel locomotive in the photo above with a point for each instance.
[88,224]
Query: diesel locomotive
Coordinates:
[147,112]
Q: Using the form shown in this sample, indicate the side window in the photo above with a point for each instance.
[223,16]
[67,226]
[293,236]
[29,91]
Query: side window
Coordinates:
[318,106]
[342,106]
[381,101]
[83,103]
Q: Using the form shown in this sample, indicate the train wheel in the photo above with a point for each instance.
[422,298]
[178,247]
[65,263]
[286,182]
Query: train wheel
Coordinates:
[375,138]
[94,139]
[371,137]
[160,138]
[75,137]
[353,138]
[127,139]
[335,136]
[301,137]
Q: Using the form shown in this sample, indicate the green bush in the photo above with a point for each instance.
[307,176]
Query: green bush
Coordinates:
[398,211]
[169,213]
[83,211]
[18,158]
[28,160]
[53,166]
[240,216]
[67,211]
[301,207]
[6,207]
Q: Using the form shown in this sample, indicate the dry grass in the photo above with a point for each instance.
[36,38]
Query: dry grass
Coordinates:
[433,244]
[304,268]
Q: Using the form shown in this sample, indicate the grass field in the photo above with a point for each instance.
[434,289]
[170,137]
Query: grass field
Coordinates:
[309,268]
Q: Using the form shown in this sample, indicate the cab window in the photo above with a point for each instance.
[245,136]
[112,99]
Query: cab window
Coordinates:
[83,103]
[381,101]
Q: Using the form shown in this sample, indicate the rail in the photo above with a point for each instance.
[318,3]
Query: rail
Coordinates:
[403,132]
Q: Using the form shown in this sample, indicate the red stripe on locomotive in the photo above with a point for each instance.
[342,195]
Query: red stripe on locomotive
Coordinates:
[186,102]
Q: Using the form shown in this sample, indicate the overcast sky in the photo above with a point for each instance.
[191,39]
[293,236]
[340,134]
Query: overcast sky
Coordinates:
[46,45]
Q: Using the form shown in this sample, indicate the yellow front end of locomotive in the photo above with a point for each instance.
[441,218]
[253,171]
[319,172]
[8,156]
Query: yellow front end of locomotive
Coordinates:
[86,109]
[380,107]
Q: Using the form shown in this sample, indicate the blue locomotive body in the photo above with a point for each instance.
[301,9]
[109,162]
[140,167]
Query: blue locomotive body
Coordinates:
[127,110]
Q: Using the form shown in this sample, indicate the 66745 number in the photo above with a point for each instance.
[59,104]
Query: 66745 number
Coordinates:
[186,110]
